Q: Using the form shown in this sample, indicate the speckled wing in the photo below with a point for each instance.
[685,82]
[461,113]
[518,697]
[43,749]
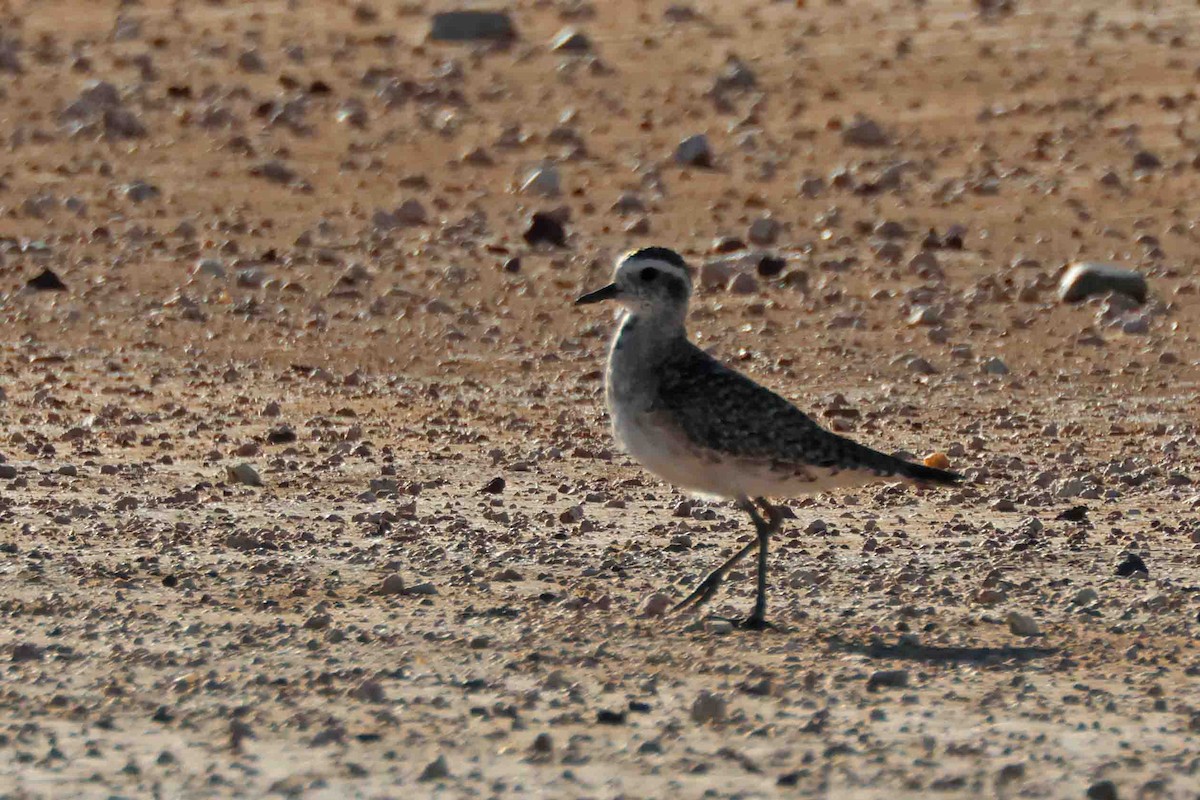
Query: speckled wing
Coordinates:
[719,409]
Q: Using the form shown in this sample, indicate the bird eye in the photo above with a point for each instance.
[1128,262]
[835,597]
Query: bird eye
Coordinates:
[649,274]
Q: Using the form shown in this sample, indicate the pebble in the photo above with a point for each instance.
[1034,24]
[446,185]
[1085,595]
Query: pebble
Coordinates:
[569,40]
[472,26]
[369,692]
[994,366]
[211,267]
[494,486]
[46,281]
[392,584]
[865,132]
[1085,597]
[887,678]
[764,231]
[1132,564]
[1102,790]
[544,182]
[244,474]
[1087,278]
[694,151]
[435,770]
[743,283]
[7,472]
[544,228]
[1022,624]
[422,589]
[708,707]
[924,315]
[655,605]
[140,191]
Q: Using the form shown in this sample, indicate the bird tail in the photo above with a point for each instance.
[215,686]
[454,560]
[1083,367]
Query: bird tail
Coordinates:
[924,474]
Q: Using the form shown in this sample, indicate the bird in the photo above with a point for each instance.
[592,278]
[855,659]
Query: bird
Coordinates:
[712,431]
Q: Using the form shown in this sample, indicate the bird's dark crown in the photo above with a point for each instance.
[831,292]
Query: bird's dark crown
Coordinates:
[663,254]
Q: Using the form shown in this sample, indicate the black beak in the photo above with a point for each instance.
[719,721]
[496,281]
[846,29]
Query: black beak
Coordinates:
[600,295]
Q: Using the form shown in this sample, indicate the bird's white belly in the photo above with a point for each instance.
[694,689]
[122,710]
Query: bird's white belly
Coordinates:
[673,458]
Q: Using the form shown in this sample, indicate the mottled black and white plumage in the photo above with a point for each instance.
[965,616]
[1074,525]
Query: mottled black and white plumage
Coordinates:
[709,429]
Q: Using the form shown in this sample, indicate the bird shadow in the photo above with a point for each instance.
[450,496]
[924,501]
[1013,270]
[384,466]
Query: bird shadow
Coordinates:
[914,651]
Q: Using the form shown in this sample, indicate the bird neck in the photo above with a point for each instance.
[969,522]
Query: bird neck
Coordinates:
[643,339]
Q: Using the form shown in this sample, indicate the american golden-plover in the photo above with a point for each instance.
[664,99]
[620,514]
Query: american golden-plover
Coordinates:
[712,431]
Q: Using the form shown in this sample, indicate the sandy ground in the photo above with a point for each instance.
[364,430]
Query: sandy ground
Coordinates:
[291,236]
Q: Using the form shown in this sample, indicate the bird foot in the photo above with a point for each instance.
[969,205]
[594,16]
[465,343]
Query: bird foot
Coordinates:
[753,622]
[701,594]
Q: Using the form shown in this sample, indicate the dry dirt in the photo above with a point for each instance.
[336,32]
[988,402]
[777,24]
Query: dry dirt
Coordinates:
[302,217]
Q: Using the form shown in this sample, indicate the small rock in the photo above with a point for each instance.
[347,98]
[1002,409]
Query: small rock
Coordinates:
[1145,161]
[718,626]
[1102,790]
[7,472]
[716,273]
[887,678]
[26,652]
[369,692]
[545,229]
[543,744]
[211,267]
[865,132]
[569,40]
[994,366]
[1132,564]
[392,584]
[764,231]
[422,589]
[46,281]
[543,181]
[472,26]
[1087,278]
[1085,597]
[318,622]
[1022,624]
[606,717]
[140,192]
[410,212]
[494,486]
[708,707]
[655,605]
[435,770]
[743,283]
[924,315]
[244,474]
[281,435]
[694,151]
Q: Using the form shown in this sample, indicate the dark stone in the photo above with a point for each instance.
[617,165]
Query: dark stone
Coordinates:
[770,266]
[1089,278]
[1102,790]
[1074,514]
[545,229]
[281,435]
[1130,564]
[494,486]
[606,717]
[472,26]
[46,281]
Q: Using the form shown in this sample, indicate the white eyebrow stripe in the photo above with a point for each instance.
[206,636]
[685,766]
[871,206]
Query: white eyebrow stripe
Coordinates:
[679,272]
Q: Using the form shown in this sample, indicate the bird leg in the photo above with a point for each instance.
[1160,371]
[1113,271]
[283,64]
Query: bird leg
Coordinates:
[708,587]
[764,527]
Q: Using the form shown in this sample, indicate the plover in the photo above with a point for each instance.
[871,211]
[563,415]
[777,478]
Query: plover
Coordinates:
[712,431]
